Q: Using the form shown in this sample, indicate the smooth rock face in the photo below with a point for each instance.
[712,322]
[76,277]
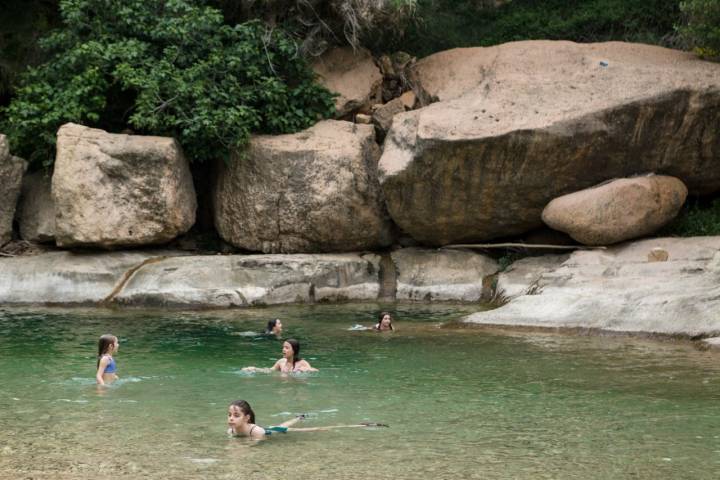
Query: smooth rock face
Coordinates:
[309,192]
[618,290]
[173,278]
[437,275]
[11,174]
[242,281]
[111,190]
[353,75]
[619,210]
[522,276]
[36,210]
[522,123]
[67,278]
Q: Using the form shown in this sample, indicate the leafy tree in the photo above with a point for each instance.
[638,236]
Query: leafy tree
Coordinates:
[167,67]
[702,30]
[318,24]
[444,24]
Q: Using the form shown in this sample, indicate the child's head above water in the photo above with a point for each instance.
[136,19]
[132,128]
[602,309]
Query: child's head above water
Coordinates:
[240,412]
[384,322]
[107,345]
[274,327]
[291,348]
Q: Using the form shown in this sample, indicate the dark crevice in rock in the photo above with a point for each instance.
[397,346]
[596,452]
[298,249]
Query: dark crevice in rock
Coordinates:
[387,278]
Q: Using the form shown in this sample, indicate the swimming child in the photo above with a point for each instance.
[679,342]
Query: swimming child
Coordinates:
[106,367]
[241,422]
[291,361]
[274,327]
[385,323]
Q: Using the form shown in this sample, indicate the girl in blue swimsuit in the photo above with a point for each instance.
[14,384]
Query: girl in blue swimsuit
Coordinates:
[106,368]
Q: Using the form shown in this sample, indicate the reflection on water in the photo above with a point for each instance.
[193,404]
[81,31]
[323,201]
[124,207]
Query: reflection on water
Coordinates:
[461,402]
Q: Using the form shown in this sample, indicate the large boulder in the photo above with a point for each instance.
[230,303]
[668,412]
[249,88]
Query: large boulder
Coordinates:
[352,75]
[253,280]
[36,210]
[618,289]
[114,190]
[442,275]
[173,278]
[69,278]
[313,191]
[11,175]
[522,123]
[617,210]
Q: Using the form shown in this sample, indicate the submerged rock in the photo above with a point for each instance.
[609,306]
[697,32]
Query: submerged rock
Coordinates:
[616,289]
[522,123]
[114,190]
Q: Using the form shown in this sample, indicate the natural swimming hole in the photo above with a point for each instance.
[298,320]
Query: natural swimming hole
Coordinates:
[461,402]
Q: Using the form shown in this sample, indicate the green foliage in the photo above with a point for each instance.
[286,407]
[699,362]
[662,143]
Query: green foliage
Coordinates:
[510,257]
[702,28]
[318,24]
[21,23]
[165,67]
[695,219]
[445,24]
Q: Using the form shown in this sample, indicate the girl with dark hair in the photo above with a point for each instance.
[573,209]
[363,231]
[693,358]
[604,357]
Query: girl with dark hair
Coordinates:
[385,323]
[291,361]
[106,368]
[274,327]
[241,422]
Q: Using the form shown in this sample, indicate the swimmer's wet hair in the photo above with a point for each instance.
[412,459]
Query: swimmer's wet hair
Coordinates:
[270,325]
[245,408]
[104,344]
[382,315]
[295,345]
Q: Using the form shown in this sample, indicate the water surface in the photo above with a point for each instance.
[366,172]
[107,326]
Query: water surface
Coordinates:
[461,402]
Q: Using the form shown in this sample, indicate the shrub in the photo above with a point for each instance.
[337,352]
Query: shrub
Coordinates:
[695,219]
[445,24]
[702,27]
[165,67]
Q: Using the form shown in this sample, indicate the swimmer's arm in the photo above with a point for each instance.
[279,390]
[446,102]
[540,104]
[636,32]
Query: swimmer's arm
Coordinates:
[278,365]
[101,369]
[257,369]
[305,367]
[257,433]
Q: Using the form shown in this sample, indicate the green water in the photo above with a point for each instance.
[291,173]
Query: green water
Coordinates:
[461,402]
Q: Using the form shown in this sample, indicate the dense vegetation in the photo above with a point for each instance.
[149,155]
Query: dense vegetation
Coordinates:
[211,72]
[163,67]
[697,218]
[702,27]
[444,24]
